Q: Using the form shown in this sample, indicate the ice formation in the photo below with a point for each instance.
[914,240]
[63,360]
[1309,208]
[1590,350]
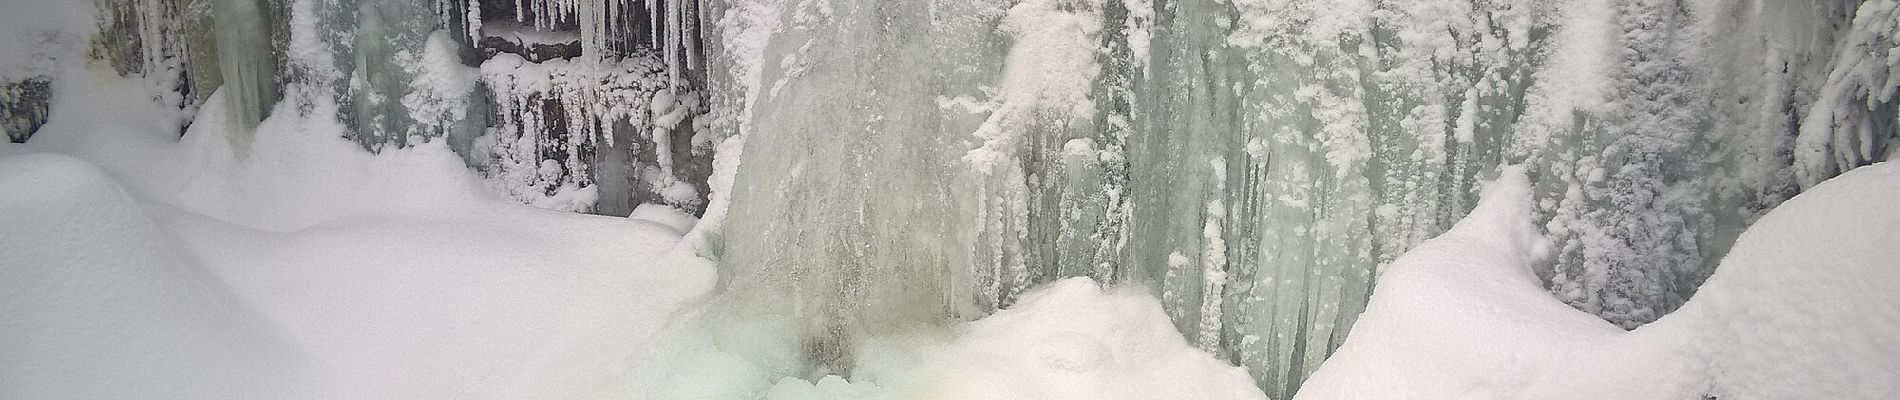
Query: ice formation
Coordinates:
[612,27]
[1256,163]
[400,73]
[246,62]
[566,126]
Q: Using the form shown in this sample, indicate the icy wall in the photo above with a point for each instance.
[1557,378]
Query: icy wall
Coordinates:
[1255,162]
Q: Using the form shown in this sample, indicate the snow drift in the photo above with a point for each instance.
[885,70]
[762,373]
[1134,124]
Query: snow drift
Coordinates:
[96,303]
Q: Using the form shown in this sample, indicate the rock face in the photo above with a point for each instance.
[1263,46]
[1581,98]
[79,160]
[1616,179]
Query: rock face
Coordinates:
[24,106]
[531,45]
[533,52]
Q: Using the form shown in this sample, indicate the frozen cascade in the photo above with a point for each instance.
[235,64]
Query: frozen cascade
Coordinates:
[831,254]
[1255,162]
[248,65]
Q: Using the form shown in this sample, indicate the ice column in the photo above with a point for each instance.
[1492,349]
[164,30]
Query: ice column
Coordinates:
[248,65]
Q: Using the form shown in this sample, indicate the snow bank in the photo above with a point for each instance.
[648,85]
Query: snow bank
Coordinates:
[1802,308]
[1073,340]
[1461,315]
[1806,305]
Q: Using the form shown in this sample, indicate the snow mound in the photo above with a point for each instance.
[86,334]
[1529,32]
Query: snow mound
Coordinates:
[1068,340]
[1461,315]
[664,215]
[96,303]
[1803,307]
[1073,340]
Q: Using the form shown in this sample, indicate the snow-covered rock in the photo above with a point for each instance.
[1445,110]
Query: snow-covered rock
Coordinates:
[1804,307]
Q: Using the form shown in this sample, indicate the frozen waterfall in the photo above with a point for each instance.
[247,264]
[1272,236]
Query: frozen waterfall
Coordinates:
[903,165]
[1255,162]
[247,63]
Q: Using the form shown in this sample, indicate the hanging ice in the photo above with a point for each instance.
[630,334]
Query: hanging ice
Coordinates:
[248,66]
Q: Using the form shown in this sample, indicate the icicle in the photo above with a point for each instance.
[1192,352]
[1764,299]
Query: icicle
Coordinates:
[473,19]
[692,46]
[673,42]
[607,30]
[442,13]
[653,24]
[1213,260]
[541,14]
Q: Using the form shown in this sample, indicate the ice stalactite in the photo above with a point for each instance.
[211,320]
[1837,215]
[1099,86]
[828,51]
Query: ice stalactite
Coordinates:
[607,27]
[464,16]
[1214,262]
[1042,104]
[559,119]
[372,82]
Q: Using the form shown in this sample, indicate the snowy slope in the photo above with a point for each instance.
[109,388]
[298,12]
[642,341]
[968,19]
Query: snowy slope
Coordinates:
[140,266]
[1803,308]
[95,302]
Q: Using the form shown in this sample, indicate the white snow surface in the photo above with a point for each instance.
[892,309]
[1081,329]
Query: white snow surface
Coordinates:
[90,286]
[1802,308]
[1070,339]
